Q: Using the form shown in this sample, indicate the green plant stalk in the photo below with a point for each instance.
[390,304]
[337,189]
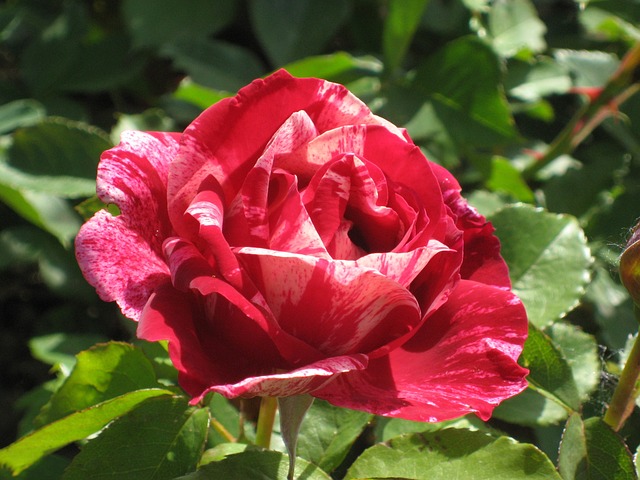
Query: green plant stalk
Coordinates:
[624,396]
[266,417]
[617,90]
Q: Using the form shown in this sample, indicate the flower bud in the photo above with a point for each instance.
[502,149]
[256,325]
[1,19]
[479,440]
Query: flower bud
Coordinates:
[630,265]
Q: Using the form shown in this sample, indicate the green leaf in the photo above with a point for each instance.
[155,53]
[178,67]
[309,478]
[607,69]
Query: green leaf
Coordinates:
[199,95]
[463,81]
[340,67]
[589,68]
[530,408]
[514,26]
[20,113]
[263,465]
[400,26]
[161,439]
[387,428]
[56,156]
[581,352]
[103,372]
[548,260]
[453,453]
[29,449]
[505,178]
[592,450]
[156,22]
[328,433]
[214,64]
[59,349]
[49,468]
[48,212]
[549,370]
[531,82]
[154,120]
[290,31]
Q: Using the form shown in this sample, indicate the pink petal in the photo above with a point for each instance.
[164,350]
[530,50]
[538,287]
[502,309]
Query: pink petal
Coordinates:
[462,360]
[133,175]
[296,382]
[335,306]
[229,137]
[119,263]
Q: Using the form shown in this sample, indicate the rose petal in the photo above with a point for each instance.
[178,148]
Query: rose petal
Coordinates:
[133,175]
[232,317]
[332,305]
[228,138]
[462,360]
[119,263]
[482,260]
[297,382]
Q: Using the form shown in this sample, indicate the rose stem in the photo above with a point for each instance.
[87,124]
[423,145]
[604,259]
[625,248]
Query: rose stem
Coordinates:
[620,86]
[266,417]
[624,395]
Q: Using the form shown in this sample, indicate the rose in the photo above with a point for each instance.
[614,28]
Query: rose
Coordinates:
[291,242]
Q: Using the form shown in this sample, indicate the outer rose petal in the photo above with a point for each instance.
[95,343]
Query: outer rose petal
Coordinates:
[133,175]
[227,139]
[462,360]
[297,382]
[119,263]
[482,260]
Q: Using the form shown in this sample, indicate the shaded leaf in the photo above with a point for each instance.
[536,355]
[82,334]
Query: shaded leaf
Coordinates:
[463,81]
[155,22]
[290,31]
[548,369]
[592,450]
[328,433]
[20,113]
[530,408]
[56,156]
[263,465]
[400,26]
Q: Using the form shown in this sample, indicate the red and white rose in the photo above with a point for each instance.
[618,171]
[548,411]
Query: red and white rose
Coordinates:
[291,242]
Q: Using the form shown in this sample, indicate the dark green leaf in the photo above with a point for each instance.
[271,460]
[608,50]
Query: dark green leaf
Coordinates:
[549,370]
[214,64]
[548,260]
[56,156]
[160,440]
[464,84]
[103,372]
[20,113]
[263,465]
[156,22]
[591,450]
[49,468]
[328,433]
[581,352]
[290,31]
[399,28]
[77,426]
[453,453]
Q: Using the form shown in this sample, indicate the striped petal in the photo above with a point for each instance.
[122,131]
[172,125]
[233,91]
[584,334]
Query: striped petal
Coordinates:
[463,360]
[334,306]
[119,263]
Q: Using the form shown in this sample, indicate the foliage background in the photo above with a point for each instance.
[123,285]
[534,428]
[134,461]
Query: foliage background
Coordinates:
[484,87]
